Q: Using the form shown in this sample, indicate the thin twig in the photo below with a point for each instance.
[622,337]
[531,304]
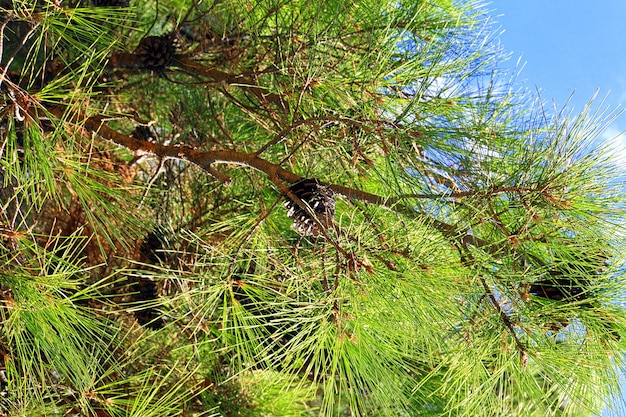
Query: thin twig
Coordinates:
[151,181]
[470,193]
[17,50]
[4,24]
[507,322]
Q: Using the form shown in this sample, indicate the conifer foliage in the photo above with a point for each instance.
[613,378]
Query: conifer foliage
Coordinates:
[295,208]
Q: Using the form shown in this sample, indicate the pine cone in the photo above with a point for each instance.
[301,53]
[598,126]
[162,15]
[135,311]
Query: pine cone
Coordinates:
[145,290]
[320,200]
[156,52]
[566,290]
[558,289]
[143,133]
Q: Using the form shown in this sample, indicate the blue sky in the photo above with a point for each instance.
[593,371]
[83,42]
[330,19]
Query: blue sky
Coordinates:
[569,46]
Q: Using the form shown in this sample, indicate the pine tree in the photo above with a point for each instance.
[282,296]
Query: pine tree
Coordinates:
[287,208]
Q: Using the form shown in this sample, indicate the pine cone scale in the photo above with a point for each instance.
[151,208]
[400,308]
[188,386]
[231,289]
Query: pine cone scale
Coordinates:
[318,200]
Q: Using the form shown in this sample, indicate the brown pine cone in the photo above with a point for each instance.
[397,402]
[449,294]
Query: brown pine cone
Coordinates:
[156,52]
[558,289]
[319,200]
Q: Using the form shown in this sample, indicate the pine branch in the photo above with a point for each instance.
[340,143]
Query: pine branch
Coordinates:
[133,61]
[207,159]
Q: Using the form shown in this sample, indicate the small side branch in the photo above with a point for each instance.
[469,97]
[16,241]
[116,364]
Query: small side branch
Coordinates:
[460,194]
[245,83]
[507,323]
